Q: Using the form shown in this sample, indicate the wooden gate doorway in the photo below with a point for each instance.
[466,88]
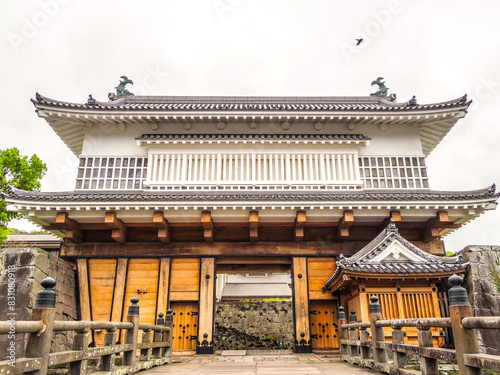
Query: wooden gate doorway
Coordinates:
[254,308]
[185,316]
[324,325]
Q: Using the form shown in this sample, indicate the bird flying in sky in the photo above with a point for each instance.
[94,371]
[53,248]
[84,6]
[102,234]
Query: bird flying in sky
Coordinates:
[359,41]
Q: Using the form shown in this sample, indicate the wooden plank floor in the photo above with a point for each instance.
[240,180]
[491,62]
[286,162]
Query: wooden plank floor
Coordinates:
[293,364]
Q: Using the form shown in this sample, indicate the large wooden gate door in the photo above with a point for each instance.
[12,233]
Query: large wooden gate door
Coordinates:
[324,328]
[185,316]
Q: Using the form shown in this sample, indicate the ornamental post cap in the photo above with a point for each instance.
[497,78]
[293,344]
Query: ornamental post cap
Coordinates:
[134,307]
[353,318]
[457,295]
[169,317]
[46,298]
[375,306]
[341,312]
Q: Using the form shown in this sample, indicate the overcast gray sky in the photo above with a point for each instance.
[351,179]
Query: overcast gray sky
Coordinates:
[436,50]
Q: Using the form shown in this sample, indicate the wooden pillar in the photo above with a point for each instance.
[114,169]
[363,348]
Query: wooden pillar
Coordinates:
[428,365]
[342,334]
[205,343]
[378,334]
[84,289]
[465,339]
[108,361]
[301,306]
[131,335]
[163,285]
[80,342]
[38,345]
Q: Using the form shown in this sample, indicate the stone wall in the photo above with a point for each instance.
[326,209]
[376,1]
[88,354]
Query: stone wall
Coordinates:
[253,325]
[30,266]
[482,282]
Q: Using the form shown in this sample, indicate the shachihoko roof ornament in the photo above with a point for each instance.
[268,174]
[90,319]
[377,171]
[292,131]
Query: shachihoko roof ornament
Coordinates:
[382,89]
[120,89]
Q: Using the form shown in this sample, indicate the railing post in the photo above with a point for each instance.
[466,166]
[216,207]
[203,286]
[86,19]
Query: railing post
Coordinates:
[365,350]
[378,334]
[108,361]
[146,338]
[429,366]
[465,339]
[343,334]
[131,335]
[80,342]
[353,335]
[158,336]
[398,337]
[38,345]
[167,336]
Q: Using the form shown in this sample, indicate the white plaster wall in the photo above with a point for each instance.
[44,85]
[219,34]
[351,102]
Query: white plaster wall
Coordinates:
[107,140]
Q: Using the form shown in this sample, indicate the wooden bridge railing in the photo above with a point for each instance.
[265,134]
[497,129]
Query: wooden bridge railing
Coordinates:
[357,348]
[154,349]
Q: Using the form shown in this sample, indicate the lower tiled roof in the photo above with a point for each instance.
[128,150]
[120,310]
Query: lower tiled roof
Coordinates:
[252,196]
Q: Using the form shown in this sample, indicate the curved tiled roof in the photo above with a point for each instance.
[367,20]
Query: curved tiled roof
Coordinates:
[362,261]
[249,103]
[251,196]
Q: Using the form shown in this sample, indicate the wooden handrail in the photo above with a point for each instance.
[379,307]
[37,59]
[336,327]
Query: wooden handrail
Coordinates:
[154,350]
[153,327]
[355,347]
[356,325]
[483,322]
[21,327]
[90,325]
[419,322]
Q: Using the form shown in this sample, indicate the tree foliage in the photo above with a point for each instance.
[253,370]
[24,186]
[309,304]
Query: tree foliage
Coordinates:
[20,172]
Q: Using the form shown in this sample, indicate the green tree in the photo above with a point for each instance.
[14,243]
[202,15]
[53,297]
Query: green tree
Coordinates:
[20,172]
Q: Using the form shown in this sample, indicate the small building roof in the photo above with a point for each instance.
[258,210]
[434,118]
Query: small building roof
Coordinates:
[390,255]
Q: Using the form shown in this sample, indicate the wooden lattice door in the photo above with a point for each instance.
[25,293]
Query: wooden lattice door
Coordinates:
[324,328]
[185,316]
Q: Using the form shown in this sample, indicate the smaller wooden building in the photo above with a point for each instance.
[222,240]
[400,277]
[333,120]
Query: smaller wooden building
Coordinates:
[403,277]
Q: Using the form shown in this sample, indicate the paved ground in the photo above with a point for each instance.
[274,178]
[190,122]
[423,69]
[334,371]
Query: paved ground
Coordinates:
[303,364]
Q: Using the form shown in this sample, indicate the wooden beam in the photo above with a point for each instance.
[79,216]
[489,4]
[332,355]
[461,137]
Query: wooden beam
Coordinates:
[119,230]
[394,216]
[72,230]
[254,225]
[253,268]
[197,249]
[300,219]
[163,227]
[73,235]
[343,225]
[208,226]
[64,222]
[433,226]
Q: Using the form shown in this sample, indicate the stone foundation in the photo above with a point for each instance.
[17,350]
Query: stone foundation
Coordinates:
[253,325]
[30,266]
[482,282]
